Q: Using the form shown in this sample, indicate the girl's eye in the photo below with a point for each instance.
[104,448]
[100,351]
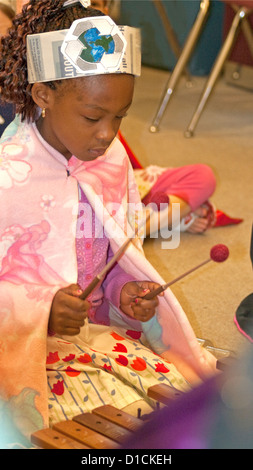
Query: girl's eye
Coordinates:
[90,119]
[96,119]
[121,117]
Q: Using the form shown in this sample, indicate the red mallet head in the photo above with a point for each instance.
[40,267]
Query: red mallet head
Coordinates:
[157,199]
[219,253]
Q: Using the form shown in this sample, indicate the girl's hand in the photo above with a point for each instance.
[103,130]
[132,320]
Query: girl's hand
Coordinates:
[68,311]
[131,302]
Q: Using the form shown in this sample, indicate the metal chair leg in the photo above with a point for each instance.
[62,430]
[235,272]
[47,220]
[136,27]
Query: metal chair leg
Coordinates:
[247,31]
[170,33]
[181,63]
[217,68]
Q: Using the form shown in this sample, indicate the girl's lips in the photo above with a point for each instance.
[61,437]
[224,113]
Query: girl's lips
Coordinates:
[97,152]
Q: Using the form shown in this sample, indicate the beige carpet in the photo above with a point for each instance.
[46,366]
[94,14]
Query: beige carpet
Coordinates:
[224,140]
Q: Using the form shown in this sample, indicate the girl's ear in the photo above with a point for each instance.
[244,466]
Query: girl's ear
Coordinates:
[42,95]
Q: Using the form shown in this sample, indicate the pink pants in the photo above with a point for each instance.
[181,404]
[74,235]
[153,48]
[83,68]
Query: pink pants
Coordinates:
[192,183]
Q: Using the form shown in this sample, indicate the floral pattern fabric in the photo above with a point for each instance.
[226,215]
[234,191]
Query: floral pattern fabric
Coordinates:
[105,367]
[146,178]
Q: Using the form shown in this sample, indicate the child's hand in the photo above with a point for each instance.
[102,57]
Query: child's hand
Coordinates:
[68,311]
[132,304]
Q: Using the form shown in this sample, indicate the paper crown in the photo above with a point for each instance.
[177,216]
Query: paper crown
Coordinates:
[84,3]
[92,46]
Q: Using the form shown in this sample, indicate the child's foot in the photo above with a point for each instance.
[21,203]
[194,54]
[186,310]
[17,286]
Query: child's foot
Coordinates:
[200,220]
[199,223]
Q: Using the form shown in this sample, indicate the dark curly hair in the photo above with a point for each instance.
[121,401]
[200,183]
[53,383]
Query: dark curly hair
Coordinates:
[37,16]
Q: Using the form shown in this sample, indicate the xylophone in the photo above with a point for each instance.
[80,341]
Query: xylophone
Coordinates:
[106,427]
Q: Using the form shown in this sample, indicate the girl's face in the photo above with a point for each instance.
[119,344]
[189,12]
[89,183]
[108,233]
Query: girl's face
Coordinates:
[83,115]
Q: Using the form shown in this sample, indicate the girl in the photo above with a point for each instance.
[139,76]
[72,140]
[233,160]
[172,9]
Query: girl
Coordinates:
[190,186]
[66,192]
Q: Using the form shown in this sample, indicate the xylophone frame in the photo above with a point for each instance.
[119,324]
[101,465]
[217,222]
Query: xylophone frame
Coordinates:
[106,427]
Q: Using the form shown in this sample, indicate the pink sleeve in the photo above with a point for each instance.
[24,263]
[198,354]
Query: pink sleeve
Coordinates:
[113,283]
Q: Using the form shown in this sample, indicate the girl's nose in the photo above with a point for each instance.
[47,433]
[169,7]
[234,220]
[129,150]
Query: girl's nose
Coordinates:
[106,133]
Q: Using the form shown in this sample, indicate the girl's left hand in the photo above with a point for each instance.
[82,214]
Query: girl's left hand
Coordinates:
[132,304]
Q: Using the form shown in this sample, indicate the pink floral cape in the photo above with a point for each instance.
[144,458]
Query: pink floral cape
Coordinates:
[39,200]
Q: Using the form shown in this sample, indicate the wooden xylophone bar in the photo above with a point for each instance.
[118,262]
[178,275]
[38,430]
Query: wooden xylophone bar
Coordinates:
[105,428]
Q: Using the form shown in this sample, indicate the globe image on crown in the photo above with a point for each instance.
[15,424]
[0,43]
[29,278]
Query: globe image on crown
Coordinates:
[94,45]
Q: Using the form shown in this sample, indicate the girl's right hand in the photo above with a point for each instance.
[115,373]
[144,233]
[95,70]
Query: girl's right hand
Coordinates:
[68,311]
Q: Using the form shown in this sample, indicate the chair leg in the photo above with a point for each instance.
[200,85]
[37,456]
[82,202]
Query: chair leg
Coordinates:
[216,70]
[247,31]
[181,63]
[169,31]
